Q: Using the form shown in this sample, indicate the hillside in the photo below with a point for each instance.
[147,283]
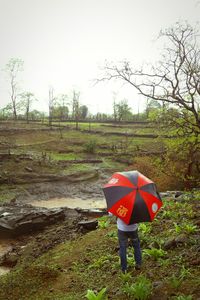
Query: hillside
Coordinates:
[171,264]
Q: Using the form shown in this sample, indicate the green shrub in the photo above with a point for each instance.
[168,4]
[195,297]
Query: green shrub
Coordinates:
[155,253]
[140,290]
[90,146]
[103,222]
[100,296]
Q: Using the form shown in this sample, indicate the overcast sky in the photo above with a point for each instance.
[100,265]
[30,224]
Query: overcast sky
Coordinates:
[63,42]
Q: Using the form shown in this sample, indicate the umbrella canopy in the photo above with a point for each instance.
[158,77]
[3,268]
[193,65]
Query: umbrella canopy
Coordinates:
[132,197]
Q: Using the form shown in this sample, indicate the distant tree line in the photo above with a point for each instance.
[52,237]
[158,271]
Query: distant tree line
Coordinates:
[61,107]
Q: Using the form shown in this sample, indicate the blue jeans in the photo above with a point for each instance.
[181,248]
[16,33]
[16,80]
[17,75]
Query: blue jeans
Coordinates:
[123,237]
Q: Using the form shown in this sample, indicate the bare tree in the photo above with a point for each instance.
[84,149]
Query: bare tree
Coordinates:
[52,100]
[76,107]
[175,79]
[12,68]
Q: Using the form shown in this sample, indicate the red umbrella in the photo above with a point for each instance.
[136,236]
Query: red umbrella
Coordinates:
[132,197]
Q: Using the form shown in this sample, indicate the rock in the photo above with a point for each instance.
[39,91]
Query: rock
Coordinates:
[9,259]
[158,285]
[95,213]
[181,239]
[89,225]
[170,244]
[177,194]
[28,169]
[164,194]
[18,219]
[174,241]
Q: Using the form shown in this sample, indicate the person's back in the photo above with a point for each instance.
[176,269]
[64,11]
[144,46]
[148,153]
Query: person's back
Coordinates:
[124,227]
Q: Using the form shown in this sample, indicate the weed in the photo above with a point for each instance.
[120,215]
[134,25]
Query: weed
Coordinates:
[100,296]
[175,281]
[145,228]
[112,234]
[155,253]
[184,272]
[103,222]
[164,262]
[102,261]
[130,260]
[183,297]
[185,228]
[190,228]
[140,290]
[126,277]
[90,146]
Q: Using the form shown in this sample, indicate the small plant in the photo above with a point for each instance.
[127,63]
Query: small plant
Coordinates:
[183,297]
[130,260]
[103,222]
[126,277]
[145,228]
[140,290]
[190,228]
[178,228]
[185,228]
[90,146]
[175,281]
[100,296]
[112,234]
[101,262]
[184,272]
[155,253]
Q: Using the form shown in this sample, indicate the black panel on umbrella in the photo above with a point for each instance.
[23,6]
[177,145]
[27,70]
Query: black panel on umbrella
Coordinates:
[115,193]
[140,211]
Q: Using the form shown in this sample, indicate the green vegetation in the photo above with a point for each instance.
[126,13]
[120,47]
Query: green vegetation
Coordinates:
[155,253]
[140,290]
[101,295]
[89,265]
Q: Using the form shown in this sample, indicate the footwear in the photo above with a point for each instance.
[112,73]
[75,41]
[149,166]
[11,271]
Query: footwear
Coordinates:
[138,267]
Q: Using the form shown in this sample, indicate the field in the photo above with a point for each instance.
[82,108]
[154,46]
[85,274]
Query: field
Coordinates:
[32,153]
[61,262]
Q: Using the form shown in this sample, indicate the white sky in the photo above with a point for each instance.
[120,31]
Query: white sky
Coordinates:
[63,42]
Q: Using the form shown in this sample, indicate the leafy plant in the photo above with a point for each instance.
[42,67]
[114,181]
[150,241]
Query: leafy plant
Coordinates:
[176,281]
[190,228]
[140,290]
[112,234]
[101,261]
[155,253]
[126,277]
[186,228]
[100,296]
[103,222]
[145,228]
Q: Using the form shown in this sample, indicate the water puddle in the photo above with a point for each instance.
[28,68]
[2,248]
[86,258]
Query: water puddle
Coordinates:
[70,202]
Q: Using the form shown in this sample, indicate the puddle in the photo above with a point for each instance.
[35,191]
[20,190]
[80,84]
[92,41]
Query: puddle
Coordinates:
[70,202]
